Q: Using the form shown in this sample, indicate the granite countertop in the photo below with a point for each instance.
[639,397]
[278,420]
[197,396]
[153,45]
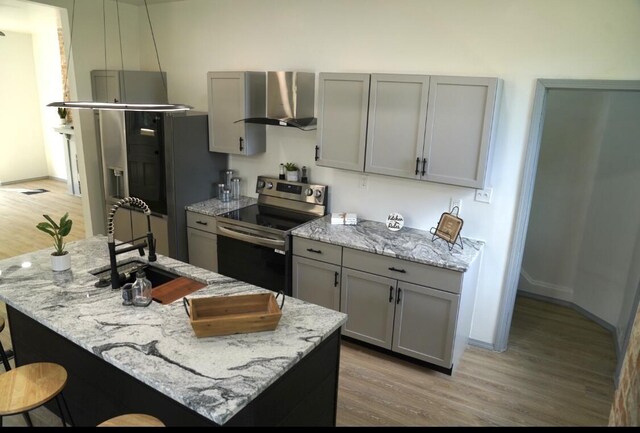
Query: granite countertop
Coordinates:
[215,376]
[408,244]
[214,207]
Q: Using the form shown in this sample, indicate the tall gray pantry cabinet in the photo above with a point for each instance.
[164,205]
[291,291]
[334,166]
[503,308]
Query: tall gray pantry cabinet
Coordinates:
[430,128]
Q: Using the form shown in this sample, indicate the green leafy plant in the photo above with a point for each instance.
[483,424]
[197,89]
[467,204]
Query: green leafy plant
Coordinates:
[291,166]
[57,232]
[62,112]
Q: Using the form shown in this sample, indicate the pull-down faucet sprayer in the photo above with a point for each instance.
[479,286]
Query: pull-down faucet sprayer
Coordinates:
[149,241]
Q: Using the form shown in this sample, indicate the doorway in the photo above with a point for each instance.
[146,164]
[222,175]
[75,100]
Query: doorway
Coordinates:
[594,221]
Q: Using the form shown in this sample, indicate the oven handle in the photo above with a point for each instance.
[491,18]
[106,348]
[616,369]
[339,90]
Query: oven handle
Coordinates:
[258,240]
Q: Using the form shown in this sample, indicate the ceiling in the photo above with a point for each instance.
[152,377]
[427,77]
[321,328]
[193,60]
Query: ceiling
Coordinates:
[24,16]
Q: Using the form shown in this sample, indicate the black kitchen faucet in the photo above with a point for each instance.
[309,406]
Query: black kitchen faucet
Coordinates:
[148,238]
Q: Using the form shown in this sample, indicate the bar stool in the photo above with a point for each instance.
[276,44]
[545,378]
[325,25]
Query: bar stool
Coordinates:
[132,420]
[29,386]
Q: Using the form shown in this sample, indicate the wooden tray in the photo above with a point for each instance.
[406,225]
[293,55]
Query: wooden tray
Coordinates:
[225,315]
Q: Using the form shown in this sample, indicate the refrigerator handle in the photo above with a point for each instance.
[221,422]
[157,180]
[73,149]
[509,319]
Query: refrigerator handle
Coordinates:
[241,142]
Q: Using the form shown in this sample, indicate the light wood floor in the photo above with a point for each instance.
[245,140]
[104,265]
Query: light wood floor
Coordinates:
[558,370]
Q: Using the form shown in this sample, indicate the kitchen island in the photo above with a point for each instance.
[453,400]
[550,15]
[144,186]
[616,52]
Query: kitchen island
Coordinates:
[123,359]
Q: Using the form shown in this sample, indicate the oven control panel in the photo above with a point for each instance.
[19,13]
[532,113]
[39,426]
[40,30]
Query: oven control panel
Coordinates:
[298,191]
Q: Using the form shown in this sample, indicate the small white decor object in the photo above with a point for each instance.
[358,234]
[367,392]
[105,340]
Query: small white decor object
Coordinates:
[395,221]
[351,218]
[337,218]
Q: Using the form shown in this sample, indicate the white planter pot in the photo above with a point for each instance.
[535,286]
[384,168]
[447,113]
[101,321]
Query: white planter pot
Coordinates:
[60,263]
[292,176]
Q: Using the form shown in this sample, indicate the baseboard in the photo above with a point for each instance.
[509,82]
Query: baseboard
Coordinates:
[31,179]
[543,288]
[481,344]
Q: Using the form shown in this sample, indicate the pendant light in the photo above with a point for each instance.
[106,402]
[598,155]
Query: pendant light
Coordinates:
[118,106]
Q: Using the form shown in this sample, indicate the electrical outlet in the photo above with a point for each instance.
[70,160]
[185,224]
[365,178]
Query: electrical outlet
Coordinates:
[455,202]
[364,181]
[484,195]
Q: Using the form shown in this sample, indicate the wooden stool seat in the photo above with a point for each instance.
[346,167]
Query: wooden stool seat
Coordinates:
[29,386]
[132,420]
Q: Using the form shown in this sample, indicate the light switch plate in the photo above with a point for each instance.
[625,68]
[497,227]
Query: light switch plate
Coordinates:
[455,202]
[364,181]
[484,195]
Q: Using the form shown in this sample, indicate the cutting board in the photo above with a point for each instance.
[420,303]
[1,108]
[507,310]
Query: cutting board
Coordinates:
[175,289]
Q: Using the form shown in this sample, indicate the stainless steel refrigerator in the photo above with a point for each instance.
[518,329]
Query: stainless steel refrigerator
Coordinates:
[164,160]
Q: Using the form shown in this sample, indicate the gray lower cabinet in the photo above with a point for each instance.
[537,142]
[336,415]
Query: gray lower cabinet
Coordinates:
[316,282]
[369,301]
[202,241]
[234,96]
[425,323]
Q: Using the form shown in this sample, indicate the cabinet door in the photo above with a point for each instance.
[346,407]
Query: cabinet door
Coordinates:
[459,127]
[369,301]
[397,117]
[105,86]
[159,228]
[316,282]
[203,249]
[425,323]
[343,101]
[234,96]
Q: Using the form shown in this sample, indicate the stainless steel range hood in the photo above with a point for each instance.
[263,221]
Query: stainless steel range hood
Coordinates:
[290,100]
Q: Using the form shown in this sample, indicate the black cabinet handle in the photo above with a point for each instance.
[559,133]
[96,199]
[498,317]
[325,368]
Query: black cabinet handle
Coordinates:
[311,250]
[241,142]
[204,223]
[316,155]
[424,166]
[390,293]
[397,270]
[335,279]
[417,164]
[398,298]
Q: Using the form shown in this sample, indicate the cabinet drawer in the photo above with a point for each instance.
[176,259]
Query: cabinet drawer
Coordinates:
[403,270]
[317,250]
[201,222]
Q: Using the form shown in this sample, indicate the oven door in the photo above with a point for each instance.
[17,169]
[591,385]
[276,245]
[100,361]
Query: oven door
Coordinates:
[248,256]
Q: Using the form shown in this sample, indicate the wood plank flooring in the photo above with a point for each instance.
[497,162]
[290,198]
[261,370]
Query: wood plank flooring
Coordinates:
[558,370]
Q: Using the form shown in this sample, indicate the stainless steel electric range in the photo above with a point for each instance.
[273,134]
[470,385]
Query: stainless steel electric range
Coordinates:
[254,242]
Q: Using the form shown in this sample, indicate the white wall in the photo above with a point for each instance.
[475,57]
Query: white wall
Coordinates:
[516,41]
[21,145]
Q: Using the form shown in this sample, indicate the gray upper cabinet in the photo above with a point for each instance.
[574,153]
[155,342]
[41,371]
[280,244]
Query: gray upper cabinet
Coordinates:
[128,86]
[342,120]
[431,128]
[460,121]
[396,123]
[234,96]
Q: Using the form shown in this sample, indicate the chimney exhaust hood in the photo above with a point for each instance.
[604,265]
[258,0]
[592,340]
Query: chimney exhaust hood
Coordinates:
[290,100]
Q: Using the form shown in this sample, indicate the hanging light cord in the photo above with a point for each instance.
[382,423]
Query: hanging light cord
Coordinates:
[124,85]
[156,47]
[66,78]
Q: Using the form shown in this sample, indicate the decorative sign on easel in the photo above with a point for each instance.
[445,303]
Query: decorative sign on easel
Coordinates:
[395,221]
[449,228]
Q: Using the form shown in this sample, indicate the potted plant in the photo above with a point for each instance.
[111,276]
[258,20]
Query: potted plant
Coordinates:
[60,259]
[292,171]
[62,113]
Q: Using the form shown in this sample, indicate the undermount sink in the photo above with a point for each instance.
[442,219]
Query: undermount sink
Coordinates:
[128,270]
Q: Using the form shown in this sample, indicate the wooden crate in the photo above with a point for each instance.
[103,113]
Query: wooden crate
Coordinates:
[225,315]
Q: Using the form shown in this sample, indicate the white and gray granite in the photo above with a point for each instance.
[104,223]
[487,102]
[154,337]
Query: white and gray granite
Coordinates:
[214,207]
[408,243]
[215,376]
